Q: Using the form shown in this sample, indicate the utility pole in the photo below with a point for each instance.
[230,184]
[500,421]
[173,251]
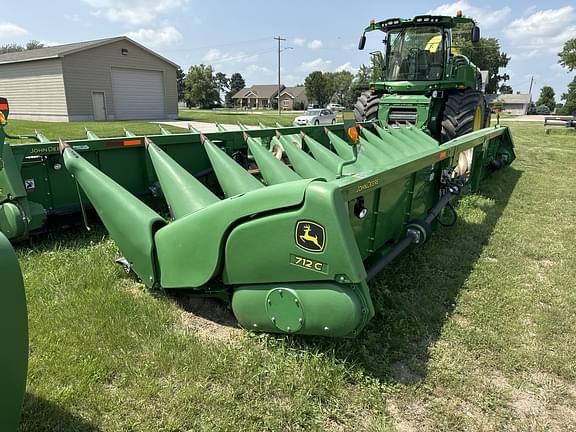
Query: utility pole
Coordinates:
[530,91]
[279,39]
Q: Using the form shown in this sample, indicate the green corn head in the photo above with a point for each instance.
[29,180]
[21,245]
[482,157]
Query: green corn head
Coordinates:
[13,338]
[288,224]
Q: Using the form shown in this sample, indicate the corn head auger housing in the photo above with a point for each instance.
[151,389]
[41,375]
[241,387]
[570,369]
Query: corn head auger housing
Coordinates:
[13,338]
[291,242]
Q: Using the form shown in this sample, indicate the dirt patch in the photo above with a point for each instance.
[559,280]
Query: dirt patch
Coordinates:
[540,401]
[209,318]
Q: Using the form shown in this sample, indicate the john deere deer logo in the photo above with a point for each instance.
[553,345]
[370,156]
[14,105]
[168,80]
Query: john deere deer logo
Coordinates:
[310,236]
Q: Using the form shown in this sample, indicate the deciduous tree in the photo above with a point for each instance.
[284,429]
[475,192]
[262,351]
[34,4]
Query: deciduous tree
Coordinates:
[319,87]
[569,99]
[237,83]
[13,47]
[547,98]
[201,87]
[568,55]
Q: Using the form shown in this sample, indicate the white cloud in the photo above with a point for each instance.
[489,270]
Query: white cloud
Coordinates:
[215,56]
[9,30]
[260,70]
[299,41]
[486,17]
[315,44]
[543,31]
[133,12]
[315,65]
[52,43]
[156,37]
[72,17]
[347,67]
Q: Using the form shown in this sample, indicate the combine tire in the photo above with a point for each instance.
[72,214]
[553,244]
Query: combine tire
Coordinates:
[366,107]
[464,112]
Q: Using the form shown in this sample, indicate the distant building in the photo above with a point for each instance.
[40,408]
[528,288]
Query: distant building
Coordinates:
[293,98]
[515,104]
[106,79]
[257,96]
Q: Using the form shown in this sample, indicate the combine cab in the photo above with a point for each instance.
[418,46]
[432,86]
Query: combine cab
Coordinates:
[294,221]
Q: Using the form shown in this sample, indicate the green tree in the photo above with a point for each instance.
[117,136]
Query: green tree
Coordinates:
[222,82]
[547,98]
[487,56]
[236,84]
[568,55]
[341,83]
[506,89]
[180,85]
[201,88]
[13,47]
[570,99]
[360,83]
[319,87]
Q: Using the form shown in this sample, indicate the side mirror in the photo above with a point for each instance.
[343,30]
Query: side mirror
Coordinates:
[362,42]
[475,34]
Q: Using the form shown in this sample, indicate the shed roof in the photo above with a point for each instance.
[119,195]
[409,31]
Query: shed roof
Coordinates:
[63,50]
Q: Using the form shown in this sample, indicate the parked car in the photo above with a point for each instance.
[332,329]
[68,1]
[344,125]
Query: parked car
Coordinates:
[315,117]
[531,110]
[543,110]
[313,106]
[334,107]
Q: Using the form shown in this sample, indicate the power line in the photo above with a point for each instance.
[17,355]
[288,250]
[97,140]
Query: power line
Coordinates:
[217,45]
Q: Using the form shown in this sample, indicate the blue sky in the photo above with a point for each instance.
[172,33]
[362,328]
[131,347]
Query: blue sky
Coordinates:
[236,36]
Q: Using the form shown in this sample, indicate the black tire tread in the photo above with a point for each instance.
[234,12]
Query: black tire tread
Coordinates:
[459,111]
[366,107]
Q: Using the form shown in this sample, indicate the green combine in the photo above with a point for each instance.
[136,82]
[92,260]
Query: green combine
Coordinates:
[426,81]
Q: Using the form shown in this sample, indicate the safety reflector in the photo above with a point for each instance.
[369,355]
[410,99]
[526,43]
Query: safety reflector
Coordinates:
[442,155]
[132,142]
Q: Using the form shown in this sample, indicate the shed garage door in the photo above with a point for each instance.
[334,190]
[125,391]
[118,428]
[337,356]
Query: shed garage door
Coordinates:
[138,94]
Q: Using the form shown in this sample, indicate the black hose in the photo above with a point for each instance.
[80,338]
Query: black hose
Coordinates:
[411,237]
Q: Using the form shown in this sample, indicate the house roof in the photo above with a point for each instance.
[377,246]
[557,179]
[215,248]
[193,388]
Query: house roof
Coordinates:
[265,91]
[293,92]
[63,50]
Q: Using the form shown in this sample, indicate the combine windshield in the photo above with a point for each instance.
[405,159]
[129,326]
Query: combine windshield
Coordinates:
[415,54]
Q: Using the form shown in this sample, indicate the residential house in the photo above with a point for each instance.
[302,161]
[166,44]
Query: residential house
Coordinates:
[293,98]
[257,96]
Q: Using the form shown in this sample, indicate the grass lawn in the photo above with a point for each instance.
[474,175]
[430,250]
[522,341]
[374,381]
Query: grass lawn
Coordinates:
[269,118]
[474,331]
[77,130]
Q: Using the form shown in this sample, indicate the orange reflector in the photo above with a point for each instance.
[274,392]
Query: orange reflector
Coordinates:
[353,133]
[442,155]
[132,142]
[4,107]
[2,118]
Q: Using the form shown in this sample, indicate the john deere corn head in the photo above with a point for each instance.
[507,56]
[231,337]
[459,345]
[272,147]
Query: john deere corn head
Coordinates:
[288,224]
[13,338]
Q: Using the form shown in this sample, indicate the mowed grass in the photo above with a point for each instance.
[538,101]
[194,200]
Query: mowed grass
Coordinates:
[267,117]
[474,331]
[77,130]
